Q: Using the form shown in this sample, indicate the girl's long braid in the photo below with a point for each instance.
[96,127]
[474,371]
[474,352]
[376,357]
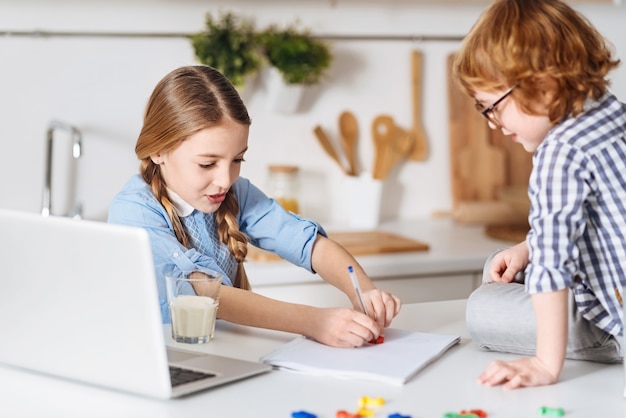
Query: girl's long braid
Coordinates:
[151,175]
[229,234]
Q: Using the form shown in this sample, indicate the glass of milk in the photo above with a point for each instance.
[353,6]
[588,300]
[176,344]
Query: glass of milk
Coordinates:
[193,298]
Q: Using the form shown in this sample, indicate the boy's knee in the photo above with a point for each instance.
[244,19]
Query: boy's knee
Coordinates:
[479,315]
[496,311]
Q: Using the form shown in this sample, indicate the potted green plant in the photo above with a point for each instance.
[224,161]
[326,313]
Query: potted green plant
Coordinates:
[297,59]
[228,44]
[300,58]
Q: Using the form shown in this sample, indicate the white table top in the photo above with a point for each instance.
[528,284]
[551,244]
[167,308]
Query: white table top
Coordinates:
[586,390]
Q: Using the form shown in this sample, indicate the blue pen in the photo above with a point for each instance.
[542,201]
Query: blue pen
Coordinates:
[357,289]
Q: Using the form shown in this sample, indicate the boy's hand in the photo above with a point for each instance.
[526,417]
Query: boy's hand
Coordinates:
[507,263]
[518,373]
[543,369]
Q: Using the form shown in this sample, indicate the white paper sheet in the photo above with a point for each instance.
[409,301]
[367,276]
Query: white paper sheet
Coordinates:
[395,361]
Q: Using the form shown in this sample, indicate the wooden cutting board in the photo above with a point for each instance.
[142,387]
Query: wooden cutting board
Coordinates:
[483,161]
[357,243]
[514,232]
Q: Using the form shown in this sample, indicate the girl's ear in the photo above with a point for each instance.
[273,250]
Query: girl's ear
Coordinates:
[156,159]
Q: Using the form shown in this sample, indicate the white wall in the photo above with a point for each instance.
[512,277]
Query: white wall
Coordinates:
[101,86]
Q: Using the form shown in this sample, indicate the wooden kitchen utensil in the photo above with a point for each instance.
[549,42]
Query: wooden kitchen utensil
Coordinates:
[403,144]
[383,129]
[349,129]
[392,144]
[327,145]
[420,142]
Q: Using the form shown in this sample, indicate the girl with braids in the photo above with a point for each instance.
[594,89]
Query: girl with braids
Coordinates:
[538,70]
[198,211]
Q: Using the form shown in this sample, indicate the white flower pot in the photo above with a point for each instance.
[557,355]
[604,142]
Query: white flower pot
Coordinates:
[283,97]
[247,88]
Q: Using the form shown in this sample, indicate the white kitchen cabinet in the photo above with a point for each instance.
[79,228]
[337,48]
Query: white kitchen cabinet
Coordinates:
[450,269]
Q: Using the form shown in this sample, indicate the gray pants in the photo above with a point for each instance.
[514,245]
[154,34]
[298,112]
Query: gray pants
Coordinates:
[500,317]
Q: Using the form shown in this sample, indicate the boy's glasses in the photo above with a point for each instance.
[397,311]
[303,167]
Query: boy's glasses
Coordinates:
[487,112]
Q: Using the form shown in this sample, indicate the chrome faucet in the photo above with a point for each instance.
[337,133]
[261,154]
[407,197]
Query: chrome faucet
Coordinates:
[76,137]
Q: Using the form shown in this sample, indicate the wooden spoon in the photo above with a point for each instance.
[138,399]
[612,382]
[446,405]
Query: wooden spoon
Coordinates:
[349,128]
[420,147]
[400,148]
[383,128]
[327,145]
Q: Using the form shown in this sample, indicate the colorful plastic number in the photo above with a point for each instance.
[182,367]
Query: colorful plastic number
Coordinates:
[302,414]
[544,411]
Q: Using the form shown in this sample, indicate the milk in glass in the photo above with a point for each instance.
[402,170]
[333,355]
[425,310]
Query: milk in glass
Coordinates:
[193,318]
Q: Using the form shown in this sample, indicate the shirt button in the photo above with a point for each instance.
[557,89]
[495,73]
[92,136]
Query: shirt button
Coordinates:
[175,254]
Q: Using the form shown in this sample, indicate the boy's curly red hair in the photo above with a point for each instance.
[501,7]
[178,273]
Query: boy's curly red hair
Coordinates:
[536,45]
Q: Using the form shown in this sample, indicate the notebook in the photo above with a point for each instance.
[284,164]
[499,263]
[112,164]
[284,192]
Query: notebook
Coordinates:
[78,300]
[399,358]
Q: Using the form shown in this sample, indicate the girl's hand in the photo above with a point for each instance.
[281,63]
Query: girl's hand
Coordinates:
[518,373]
[343,327]
[381,306]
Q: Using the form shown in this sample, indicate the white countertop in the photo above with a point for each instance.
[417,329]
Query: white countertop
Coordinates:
[586,390]
[454,248]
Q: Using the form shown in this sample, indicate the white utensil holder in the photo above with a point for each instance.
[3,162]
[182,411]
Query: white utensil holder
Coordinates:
[361,201]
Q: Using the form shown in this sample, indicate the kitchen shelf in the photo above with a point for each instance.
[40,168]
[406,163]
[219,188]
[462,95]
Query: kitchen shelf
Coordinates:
[42,33]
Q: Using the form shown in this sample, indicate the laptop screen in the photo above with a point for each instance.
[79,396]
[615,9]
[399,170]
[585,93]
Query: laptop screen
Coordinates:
[79,300]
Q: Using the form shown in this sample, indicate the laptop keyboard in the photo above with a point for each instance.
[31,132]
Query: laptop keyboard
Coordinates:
[180,376]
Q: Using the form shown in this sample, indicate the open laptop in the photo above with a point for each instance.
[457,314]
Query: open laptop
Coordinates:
[78,300]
